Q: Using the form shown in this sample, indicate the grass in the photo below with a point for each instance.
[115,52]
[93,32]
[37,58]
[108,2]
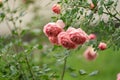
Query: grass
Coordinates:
[107,64]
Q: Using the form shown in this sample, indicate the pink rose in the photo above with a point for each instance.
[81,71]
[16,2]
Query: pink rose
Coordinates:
[90,54]
[60,23]
[102,46]
[56,8]
[54,40]
[78,36]
[83,32]
[52,29]
[64,40]
[118,76]
[92,36]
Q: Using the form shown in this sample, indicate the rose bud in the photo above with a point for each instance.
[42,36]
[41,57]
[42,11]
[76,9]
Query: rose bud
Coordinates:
[92,36]
[64,40]
[102,46]
[90,54]
[77,36]
[92,6]
[56,8]
[52,29]
[54,40]
[1,2]
[118,76]
[60,23]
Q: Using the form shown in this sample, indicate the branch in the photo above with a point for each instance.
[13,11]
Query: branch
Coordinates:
[116,10]
[109,13]
[64,67]
[27,61]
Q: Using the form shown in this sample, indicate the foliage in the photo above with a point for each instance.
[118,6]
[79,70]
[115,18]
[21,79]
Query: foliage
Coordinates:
[92,20]
[26,54]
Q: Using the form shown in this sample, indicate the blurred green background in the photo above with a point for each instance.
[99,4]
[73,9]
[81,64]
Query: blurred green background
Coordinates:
[105,67]
[107,64]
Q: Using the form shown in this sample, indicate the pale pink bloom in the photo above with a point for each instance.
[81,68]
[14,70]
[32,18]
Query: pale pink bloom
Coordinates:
[78,36]
[52,29]
[54,40]
[118,76]
[64,40]
[92,36]
[70,29]
[102,46]
[60,23]
[56,8]
[90,54]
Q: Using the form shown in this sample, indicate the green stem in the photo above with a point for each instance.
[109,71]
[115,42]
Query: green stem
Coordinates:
[30,70]
[64,67]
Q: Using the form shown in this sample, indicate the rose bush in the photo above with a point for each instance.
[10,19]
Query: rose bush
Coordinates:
[83,16]
[78,32]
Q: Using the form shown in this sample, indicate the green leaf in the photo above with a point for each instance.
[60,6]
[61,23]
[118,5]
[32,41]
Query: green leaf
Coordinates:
[95,2]
[47,70]
[81,11]
[109,3]
[13,70]
[2,16]
[54,18]
[82,72]
[94,73]
[36,68]
[23,32]
[100,11]
[73,74]
[71,69]
[40,46]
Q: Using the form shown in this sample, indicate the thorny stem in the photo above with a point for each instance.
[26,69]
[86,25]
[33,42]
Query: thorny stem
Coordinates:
[64,67]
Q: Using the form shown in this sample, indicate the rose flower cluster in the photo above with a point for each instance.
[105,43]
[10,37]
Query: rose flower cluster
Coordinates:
[70,38]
